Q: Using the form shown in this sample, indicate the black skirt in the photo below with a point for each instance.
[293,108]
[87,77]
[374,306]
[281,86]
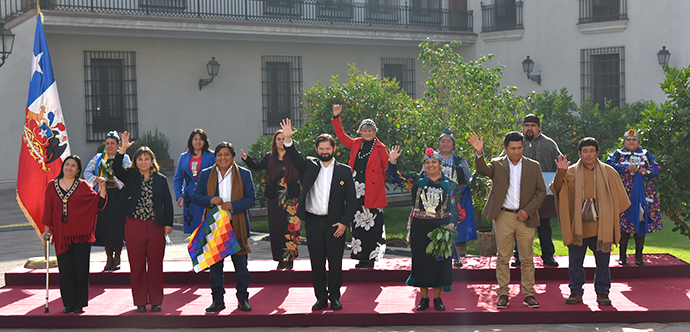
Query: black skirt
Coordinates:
[427,271]
[110,225]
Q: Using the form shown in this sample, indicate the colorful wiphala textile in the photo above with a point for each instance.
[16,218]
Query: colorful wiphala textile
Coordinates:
[213,240]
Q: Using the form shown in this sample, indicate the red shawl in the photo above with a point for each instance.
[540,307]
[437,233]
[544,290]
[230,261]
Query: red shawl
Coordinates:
[82,207]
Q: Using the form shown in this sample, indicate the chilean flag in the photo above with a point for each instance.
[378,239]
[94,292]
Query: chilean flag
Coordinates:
[44,142]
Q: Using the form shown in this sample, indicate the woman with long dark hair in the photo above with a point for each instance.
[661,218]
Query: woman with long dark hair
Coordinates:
[282,191]
[148,206]
[70,215]
[197,157]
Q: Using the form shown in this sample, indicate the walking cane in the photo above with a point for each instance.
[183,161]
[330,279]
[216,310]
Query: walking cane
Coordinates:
[46,236]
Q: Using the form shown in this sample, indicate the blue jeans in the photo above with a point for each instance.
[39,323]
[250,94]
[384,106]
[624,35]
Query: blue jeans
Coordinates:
[217,278]
[602,274]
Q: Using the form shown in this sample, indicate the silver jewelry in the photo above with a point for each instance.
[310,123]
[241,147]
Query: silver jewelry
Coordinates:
[362,156]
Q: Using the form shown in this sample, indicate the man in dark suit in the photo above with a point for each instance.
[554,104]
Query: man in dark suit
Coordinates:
[327,205]
[517,192]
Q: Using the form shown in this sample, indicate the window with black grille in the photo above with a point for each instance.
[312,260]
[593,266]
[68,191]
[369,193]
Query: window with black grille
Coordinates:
[603,10]
[281,87]
[602,72]
[110,82]
[402,70]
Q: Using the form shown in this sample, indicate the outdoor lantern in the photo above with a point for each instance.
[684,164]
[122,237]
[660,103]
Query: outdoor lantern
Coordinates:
[212,67]
[663,56]
[6,43]
[527,67]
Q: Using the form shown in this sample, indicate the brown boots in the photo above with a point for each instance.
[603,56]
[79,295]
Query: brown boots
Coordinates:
[112,258]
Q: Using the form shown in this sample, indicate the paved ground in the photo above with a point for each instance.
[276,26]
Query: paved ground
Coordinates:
[18,243]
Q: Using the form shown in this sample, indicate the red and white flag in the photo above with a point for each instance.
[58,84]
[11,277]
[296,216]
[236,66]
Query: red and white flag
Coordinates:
[44,138]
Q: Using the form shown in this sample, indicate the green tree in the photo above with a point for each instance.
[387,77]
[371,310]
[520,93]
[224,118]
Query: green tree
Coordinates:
[666,133]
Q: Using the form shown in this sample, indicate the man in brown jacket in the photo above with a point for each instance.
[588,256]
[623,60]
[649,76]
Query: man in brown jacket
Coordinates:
[517,192]
[589,179]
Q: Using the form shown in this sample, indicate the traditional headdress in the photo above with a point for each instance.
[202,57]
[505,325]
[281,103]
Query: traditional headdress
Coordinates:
[114,135]
[448,132]
[631,133]
[531,118]
[430,153]
[367,123]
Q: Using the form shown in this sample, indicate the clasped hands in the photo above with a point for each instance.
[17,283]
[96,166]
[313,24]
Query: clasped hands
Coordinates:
[216,200]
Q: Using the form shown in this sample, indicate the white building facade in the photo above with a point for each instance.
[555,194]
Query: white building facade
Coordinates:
[136,64]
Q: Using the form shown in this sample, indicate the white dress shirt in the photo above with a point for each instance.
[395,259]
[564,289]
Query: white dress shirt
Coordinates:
[225,185]
[319,195]
[512,200]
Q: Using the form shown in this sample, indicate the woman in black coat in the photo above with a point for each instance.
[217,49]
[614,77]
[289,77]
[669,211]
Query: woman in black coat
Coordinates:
[148,206]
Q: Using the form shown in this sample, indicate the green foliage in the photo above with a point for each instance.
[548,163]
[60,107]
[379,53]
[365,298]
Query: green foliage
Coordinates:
[364,96]
[156,141]
[442,243]
[465,95]
[567,123]
[666,133]
[256,152]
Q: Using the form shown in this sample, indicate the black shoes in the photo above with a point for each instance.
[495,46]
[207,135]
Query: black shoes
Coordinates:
[283,265]
[549,261]
[68,310]
[515,263]
[216,307]
[424,304]
[320,304]
[244,305]
[156,308]
[289,265]
[638,259]
[336,305]
[457,263]
[141,308]
[365,264]
[622,260]
[438,304]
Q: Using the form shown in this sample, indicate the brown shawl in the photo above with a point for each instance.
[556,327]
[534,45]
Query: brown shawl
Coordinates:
[611,200]
[239,224]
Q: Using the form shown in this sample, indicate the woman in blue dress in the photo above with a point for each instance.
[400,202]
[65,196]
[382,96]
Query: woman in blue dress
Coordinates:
[197,157]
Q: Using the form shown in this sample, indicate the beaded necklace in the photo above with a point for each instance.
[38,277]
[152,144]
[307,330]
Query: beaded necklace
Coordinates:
[65,198]
[362,156]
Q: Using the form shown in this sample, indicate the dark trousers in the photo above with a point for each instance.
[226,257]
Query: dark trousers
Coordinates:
[324,246]
[217,278]
[602,274]
[73,265]
[145,250]
[544,232]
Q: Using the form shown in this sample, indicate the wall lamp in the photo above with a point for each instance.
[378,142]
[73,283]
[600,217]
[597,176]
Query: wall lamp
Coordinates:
[212,68]
[6,43]
[663,56]
[527,67]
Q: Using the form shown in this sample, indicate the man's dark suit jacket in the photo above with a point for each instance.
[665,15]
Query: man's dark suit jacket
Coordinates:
[342,202]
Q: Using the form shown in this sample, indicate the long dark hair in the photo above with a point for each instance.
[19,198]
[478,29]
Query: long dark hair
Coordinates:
[204,137]
[62,169]
[272,172]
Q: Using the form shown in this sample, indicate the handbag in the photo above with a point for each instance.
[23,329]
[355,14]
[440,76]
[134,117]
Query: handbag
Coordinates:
[590,211]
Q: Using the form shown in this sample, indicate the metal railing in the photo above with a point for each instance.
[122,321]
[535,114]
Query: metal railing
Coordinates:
[322,12]
[499,17]
[603,10]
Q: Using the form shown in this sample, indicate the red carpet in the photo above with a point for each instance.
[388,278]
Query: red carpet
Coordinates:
[288,303]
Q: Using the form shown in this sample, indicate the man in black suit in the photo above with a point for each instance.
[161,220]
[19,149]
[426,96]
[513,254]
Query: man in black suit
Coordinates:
[327,205]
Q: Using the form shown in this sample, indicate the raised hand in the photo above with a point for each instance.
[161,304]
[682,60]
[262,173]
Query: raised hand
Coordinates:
[337,109]
[562,162]
[394,154]
[286,126]
[244,155]
[125,142]
[477,143]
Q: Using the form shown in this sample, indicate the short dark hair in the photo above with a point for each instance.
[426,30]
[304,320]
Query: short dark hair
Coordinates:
[325,138]
[62,169]
[588,141]
[204,137]
[223,145]
[513,136]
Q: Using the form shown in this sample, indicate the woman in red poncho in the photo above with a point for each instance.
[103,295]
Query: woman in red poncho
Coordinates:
[70,214]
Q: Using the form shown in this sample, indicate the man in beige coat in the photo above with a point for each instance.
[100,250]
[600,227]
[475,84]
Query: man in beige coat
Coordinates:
[517,192]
